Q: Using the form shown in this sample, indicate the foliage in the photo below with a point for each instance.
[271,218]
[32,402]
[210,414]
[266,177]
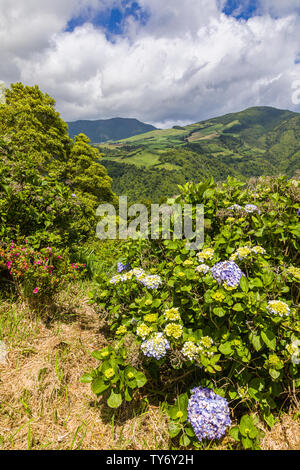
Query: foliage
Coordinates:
[50,186]
[36,274]
[220,328]
[114,379]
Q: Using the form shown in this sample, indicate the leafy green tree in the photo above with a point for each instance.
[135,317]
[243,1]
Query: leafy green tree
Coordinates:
[35,131]
[87,178]
[50,186]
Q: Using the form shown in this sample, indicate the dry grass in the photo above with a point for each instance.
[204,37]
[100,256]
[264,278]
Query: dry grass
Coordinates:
[43,405]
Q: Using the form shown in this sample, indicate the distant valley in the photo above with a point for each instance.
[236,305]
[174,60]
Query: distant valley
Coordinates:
[150,165]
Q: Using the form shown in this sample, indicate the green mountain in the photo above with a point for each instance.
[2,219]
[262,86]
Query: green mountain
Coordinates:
[104,130]
[254,142]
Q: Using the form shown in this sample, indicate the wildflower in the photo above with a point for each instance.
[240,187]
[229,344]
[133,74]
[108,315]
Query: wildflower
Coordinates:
[36,290]
[277,307]
[241,253]
[173,330]
[273,361]
[122,330]
[172,314]
[206,254]
[116,279]
[206,341]
[294,350]
[156,346]
[123,267]
[295,272]
[150,318]
[188,262]
[202,269]
[227,271]
[143,330]
[109,373]
[208,414]
[251,208]
[258,250]
[235,207]
[180,274]
[218,296]
[151,282]
[190,350]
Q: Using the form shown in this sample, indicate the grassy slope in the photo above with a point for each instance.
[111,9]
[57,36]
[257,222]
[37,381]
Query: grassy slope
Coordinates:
[253,142]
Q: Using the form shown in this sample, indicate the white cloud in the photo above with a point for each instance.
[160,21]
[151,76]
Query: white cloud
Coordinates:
[187,63]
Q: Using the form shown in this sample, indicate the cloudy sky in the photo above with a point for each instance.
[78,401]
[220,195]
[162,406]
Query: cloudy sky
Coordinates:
[164,62]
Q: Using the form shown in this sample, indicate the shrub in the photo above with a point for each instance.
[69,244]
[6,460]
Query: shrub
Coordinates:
[225,318]
[37,275]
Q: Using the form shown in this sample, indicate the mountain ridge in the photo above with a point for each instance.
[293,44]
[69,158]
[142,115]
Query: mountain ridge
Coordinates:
[103,130]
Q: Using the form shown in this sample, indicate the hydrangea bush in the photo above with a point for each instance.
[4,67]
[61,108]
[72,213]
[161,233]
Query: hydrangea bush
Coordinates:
[223,322]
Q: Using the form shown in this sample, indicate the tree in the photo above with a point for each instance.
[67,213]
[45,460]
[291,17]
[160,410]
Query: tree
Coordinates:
[48,183]
[34,130]
[86,176]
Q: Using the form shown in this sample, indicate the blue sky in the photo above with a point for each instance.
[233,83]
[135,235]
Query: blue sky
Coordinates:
[112,20]
[241,9]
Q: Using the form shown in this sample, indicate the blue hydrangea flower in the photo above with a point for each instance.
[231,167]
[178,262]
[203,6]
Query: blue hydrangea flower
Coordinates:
[235,207]
[123,267]
[208,414]
[298,212]
[151,282]
[156,346]
[227,271]
[251,208]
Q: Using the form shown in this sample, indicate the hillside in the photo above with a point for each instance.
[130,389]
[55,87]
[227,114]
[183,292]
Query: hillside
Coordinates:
[108,129]
[253,142]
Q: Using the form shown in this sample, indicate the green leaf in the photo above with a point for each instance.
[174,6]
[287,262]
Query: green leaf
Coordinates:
[140,379]
[246,424]
[244,284]
[274,373]
[219,312]
[98,355]
[174,428]
[184,441]
[269,339]
[256,386]
[256,341]
[115,400]
[238,308]
[225,348]
[99,386]
[235,433]
[247,443]
[86,378]
[128,394]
